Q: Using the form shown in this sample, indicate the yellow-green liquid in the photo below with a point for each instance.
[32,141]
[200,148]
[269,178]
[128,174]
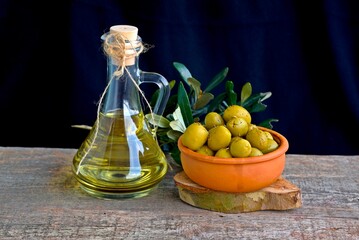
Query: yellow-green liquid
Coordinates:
[120,158]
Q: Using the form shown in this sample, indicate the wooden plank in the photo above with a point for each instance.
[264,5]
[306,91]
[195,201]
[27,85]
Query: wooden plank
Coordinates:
[40,199]
[281,195]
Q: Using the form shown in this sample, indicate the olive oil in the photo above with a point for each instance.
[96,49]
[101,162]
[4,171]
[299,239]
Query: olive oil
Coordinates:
[120,158]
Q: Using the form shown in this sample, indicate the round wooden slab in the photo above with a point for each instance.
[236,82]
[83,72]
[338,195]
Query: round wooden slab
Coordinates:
[281,195]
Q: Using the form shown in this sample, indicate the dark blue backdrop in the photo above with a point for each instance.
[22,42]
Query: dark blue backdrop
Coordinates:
[305,52]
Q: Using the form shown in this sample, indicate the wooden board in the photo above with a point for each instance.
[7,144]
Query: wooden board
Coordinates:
[281,195]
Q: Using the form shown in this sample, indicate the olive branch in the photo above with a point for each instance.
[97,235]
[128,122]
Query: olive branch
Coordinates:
[190,103]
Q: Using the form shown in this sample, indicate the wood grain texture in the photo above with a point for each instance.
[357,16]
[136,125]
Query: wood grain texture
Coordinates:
[40,199]
[281,195]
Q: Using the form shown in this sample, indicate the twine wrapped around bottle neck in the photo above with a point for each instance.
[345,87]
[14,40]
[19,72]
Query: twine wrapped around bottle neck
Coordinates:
[122,51]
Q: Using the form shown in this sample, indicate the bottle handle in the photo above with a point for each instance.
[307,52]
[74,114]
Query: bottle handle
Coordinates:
[164,89]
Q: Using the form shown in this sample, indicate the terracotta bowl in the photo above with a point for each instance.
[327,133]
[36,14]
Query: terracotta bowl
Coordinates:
[235,175]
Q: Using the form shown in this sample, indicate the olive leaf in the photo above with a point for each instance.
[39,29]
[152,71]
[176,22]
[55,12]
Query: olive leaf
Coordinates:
[246,92]
[203,100]
[196,87]
[267,123]
[184,105]
[176,155]
[231,94]
[82,126]
[157,120]
[255,98]
[217,80]
[257,107]
[173,134]
[177,126]
[198,113]
[216,102]
[178,123]
[183,71]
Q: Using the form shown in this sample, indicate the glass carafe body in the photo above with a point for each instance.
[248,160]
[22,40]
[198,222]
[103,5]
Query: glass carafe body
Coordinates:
[121,158]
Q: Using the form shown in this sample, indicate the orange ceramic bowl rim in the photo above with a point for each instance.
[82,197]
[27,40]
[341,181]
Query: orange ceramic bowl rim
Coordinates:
[282,142]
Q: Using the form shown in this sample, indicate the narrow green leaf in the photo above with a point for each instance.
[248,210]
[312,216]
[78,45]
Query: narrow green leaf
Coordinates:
[184,105]
[221,108]
[268,123]
[232,98]
[198,113]
[177,116]
[174,135]
[162,132]
[216,80]
[176,155]
[203,100]
[172,83]
[177,126]
[171,105]
[154,98]
[183,71]
[231,94]
[246,92]
[216,102]
[257,107]
[252,100]
[196,86]
[170,117]
[265,96]
[82,126]
[229,85]
[157,120]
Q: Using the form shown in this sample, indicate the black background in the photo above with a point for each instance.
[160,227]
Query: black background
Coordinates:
[306,53]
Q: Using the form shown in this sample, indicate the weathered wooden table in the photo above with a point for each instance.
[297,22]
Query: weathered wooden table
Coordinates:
[40,199]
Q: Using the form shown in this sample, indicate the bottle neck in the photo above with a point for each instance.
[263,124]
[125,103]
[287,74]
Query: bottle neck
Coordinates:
[122,93]
[116,71]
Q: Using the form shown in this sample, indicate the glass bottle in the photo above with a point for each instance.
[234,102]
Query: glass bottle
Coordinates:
[121,158]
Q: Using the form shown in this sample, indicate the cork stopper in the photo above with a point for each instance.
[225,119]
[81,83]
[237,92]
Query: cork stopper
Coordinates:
[127,31]
[130,34]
